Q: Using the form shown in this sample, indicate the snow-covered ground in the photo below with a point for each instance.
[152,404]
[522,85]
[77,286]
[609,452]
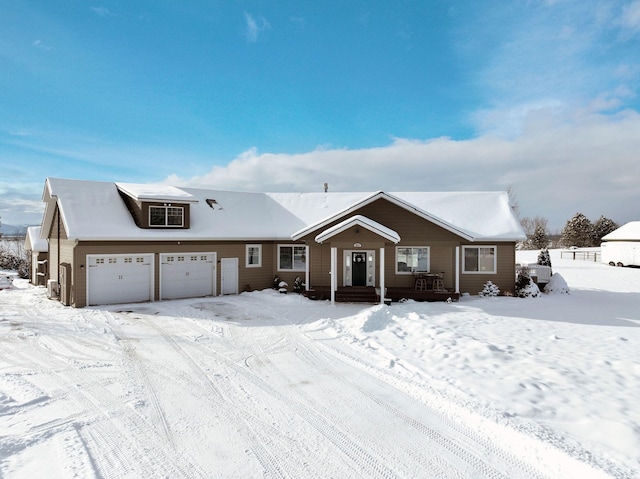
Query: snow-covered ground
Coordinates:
[272,385]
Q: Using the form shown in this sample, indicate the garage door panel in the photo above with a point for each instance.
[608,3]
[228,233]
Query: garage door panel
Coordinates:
[113,279]
[187,275]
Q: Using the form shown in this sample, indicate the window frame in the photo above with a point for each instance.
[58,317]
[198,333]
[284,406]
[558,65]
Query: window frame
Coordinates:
[411,271]
[292,246]
[248,247]
[166,209]
[494,270]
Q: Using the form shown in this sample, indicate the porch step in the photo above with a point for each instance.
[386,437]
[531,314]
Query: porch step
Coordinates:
[357,294]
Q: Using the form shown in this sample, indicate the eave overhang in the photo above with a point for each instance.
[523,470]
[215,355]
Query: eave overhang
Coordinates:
[361,221]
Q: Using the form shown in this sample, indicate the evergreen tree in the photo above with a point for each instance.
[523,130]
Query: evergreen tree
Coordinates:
[544,258]
[540,239]
[602,227]
[490,290]
[577,232]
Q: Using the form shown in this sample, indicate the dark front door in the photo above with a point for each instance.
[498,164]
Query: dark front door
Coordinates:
[359,269]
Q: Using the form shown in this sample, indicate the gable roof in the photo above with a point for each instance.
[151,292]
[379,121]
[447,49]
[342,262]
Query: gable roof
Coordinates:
[359,220]
[627,232]
[473,216]
[94,210]
[33,241]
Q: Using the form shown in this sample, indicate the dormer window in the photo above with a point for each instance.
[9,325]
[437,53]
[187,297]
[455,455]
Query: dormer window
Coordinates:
[166,216]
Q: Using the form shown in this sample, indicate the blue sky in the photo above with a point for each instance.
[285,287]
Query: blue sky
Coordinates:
[537,96]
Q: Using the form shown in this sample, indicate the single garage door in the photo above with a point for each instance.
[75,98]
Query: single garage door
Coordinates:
[126,278]
[187,275]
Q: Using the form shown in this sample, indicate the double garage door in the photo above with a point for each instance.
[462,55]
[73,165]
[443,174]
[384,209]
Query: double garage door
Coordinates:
[113,279]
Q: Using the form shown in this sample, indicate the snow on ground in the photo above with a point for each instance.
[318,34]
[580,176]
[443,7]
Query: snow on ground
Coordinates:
[270,385]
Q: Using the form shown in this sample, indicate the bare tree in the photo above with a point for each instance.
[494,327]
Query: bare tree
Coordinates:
[536,231]
[513,201]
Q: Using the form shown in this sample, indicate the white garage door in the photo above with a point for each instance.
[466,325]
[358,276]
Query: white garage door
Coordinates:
[113,279]
[187,275]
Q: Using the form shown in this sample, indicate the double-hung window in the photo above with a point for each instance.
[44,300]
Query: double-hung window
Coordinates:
[292,258]
[254,256]
[479,259]
[412,259]
[166,216]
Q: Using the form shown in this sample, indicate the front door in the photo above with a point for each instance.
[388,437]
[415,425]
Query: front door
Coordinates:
[359,269]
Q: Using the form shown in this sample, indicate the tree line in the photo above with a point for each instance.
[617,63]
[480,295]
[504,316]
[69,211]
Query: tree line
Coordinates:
[578,231]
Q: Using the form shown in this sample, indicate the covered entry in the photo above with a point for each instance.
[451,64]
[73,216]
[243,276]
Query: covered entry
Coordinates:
[358,264]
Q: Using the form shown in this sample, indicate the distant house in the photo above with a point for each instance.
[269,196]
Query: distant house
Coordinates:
[621,247]
[121,242]
[37,247]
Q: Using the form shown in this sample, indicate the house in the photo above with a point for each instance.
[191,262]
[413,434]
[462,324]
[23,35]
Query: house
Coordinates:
[621,247]
[37,248]
[122,242]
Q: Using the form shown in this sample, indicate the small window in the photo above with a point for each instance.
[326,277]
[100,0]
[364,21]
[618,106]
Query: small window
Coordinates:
[113,260]
[172,216]
[254,256]
[292,258]
[479,259]
[412,259]
[128,260]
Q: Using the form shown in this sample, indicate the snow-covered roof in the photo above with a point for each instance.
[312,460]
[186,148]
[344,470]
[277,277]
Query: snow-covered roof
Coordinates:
[359,220]
[627,232]
[155,192]
[33,241]
[94,210]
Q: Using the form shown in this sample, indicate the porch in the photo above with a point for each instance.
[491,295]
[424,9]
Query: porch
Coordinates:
[368,294]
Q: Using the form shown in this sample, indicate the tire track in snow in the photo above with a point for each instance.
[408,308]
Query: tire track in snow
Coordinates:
[373,465]
[508,462]
[466,440]
[273,465]
[110,429]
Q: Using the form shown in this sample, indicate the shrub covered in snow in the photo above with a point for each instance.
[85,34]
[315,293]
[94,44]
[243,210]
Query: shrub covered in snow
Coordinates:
[490,290]
[16,259]
[525,287]
[557,285]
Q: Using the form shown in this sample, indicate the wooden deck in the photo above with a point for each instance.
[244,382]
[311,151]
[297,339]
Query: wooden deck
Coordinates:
[364,294]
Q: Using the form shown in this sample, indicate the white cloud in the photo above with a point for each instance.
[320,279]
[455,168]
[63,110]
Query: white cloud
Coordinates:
[630,18]
[102,11]
[40,44]
[585,163]
[255,27]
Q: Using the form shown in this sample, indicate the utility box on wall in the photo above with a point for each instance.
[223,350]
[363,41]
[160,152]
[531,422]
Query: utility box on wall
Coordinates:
[65,283]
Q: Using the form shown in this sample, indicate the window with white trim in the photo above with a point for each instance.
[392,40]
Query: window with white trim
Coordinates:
[412,259]
[292,258]
[254,256]
[479,259]
[166,216]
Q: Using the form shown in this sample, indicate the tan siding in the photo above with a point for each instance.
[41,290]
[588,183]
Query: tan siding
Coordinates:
[504,278]
[413,231]
[254,278]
